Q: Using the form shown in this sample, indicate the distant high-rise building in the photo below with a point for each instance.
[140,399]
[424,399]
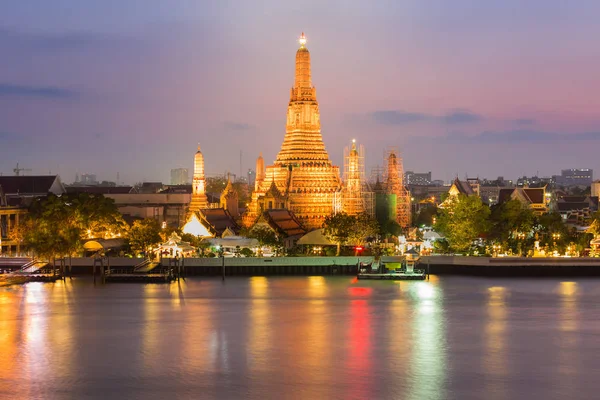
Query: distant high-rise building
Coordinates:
[88,179]
[251,177]
[535,181]
[595,189]
[179,176]
[417,178]
[575,177]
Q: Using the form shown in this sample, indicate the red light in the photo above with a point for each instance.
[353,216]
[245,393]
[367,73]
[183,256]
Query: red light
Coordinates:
[358,248]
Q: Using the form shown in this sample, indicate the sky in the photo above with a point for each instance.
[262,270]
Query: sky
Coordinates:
[461,88]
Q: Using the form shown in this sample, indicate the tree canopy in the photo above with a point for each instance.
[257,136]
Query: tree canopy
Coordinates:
[265,235]
[342,229]
[58,225]
[462,221]
[144,234]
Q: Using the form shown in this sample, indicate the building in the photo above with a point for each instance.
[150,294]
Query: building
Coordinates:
[459,187]
[251,177]
[577,211]
[86,179]
[305,180]
[535,181]
[229,200]
[356,196]
[179,176]
[199,199]
[417,179]
[575,177]
[285,225]
[170,209]
[595,188]
[16,194]
[394,185]
[149,187]
[534,198]
[101,189]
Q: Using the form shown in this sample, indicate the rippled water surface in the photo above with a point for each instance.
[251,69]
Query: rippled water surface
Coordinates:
[302,338]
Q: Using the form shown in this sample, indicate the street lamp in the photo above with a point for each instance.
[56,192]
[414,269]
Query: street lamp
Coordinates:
[520,238]
[555,237]
[496,249]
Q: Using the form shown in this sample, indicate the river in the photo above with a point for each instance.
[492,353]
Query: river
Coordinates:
[302,338]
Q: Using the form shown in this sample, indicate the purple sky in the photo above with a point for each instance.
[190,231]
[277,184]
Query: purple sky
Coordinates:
[487,88]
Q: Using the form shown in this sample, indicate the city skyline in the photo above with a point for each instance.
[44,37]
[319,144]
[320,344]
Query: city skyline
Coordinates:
[462,89]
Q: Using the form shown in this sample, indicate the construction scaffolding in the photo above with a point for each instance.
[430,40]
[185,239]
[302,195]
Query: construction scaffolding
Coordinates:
[393,182]
[357,196]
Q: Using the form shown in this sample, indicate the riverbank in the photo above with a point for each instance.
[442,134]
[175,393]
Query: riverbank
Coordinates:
[326,266]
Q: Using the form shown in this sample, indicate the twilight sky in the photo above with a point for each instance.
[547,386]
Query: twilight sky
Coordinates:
[484,88]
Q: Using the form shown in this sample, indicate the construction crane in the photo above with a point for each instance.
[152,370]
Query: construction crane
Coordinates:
[18,170]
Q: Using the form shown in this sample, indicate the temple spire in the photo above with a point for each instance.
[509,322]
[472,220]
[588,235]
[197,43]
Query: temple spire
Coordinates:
[302,40]
[302,65]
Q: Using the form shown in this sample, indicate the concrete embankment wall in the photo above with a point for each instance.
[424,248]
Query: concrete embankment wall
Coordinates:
[241,266]
[85,265]
[438,265]
[274,266]
[511,266]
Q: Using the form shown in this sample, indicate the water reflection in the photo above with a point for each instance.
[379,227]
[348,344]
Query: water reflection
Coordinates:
[260,337]
[429,344]
[317,287]
[10,336]
[399,335]
[359,347]
[150,325]
[495,362]
[568,325]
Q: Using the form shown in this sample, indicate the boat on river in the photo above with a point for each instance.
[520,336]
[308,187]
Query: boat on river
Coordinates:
[393,268]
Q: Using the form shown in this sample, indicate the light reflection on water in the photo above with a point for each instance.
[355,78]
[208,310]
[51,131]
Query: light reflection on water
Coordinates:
[495,361]
[301,337]
[429,348]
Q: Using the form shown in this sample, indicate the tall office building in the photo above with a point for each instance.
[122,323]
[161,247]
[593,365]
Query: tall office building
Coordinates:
[179,176]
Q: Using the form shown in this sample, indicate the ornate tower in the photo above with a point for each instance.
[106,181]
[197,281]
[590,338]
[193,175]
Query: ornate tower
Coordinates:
[394,184]
[229,199]
[199,200]
[302,172]
[357,197]
[260,172]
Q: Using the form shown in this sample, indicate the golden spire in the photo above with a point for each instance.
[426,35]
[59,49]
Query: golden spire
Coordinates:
[302,40]
[302,65]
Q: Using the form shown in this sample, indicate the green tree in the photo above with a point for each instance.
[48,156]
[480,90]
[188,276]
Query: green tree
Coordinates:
[462,221]
[363,227]
[551,229]
[246,252]
[58,225]
[425,216]
[337,228]
[144,234]
[390,228]
[265,236]
[512,223]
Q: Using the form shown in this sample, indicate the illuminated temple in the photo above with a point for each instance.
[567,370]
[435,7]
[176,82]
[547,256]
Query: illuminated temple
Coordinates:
[302,178]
